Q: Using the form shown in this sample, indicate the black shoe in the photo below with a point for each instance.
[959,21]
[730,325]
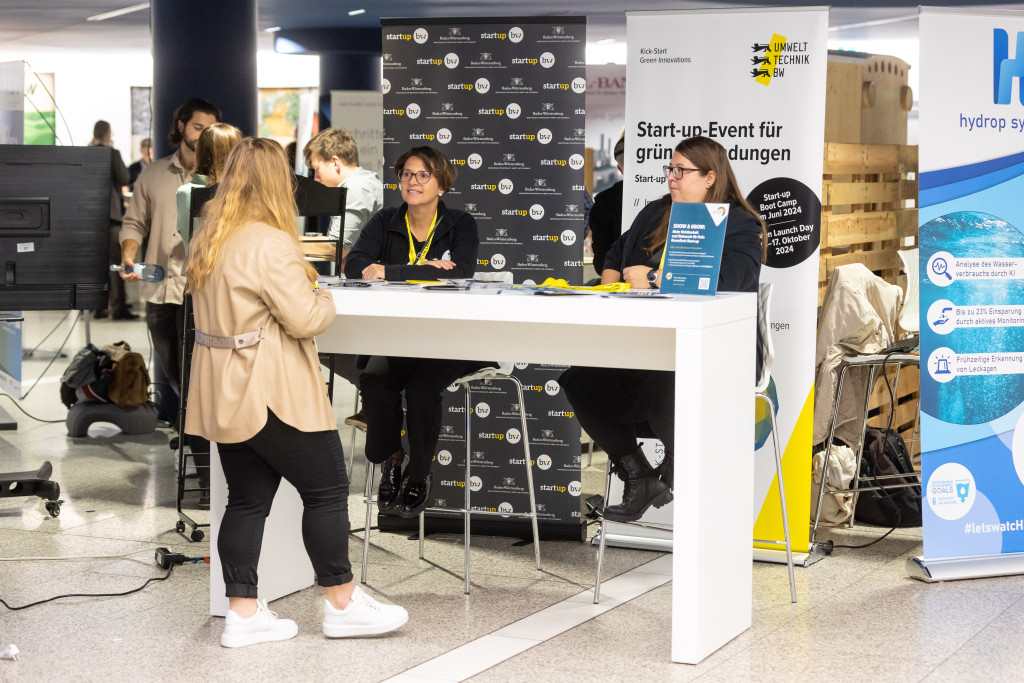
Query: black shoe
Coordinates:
[666,471]
[124,314]
[414,497]
[100,315]
[174,443]
[390,489]
[642,489]
[204,499]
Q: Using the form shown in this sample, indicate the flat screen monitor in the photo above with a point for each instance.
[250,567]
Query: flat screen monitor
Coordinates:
[54,227]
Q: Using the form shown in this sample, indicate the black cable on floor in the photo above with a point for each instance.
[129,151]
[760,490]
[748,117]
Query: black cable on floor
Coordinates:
[856,547]
[92,595]
[27,414]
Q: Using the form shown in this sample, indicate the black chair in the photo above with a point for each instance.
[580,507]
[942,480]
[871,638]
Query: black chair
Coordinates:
[16,484]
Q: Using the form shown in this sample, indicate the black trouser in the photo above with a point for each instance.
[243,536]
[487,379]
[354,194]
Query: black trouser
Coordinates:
[116,301]
[166,324]
[616,406]
[312,462]
[423,380]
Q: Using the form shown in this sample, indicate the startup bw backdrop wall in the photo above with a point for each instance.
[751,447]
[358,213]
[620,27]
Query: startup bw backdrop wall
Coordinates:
[503,99]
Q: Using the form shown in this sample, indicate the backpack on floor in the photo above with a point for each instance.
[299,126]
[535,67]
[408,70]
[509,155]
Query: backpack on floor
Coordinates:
[886,453]
[87,377]
[129,381]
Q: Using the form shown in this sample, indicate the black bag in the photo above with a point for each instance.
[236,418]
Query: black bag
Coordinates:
[886,453]
[87,376]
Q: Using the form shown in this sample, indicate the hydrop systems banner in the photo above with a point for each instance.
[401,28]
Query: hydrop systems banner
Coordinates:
[758,88]
[503,99]
[972,284]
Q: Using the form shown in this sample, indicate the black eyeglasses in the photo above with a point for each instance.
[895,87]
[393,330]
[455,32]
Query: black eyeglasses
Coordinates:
[677,172]
[422,177]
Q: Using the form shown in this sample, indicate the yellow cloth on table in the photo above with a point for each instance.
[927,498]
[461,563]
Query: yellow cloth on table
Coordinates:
[610,287]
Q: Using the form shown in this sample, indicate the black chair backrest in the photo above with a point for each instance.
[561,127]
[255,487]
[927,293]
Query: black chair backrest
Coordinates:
[311,198]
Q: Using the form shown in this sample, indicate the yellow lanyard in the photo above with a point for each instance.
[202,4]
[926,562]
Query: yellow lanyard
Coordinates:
[414,258]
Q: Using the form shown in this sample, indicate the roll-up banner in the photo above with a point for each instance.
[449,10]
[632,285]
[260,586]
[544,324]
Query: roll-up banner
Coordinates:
[754,81]
[504,100]
[972,293]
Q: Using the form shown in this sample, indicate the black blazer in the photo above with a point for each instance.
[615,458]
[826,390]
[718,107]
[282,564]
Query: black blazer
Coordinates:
[385,240]
[741,252]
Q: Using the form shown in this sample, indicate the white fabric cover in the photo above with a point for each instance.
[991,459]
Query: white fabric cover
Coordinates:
[858,316]
[834,509]
[909,319]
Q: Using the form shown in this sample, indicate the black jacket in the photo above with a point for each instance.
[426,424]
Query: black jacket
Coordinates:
[605,222]
[741,253]
[385,240]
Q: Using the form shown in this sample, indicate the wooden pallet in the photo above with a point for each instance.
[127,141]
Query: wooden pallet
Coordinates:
[869,200]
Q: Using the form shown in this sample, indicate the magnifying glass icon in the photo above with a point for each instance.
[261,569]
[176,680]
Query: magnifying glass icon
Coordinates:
[939,267]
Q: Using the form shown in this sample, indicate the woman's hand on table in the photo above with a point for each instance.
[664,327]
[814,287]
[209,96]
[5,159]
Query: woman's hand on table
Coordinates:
[443,264]
[374,271]
[636,276]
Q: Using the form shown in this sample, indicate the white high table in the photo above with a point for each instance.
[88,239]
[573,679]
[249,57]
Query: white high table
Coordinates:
[708,341]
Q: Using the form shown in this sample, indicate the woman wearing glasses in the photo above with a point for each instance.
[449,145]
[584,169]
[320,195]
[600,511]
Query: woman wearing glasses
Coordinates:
[420,240]
[610,403]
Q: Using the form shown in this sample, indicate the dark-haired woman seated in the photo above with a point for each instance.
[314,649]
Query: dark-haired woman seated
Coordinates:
[611,404]
[420,240]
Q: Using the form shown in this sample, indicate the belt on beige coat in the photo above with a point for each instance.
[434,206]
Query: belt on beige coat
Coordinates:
[238,341]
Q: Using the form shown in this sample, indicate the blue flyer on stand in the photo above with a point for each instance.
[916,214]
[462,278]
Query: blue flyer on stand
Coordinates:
[693,250]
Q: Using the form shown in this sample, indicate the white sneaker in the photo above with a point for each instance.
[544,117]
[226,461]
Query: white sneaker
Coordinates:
[262,627]
[364,616]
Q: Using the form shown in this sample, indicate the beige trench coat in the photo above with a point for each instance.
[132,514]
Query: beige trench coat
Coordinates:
[259,280]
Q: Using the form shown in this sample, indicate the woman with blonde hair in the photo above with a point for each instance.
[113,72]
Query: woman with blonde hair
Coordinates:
[256,390]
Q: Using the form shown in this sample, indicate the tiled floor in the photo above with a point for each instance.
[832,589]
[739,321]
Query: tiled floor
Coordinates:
[858,617]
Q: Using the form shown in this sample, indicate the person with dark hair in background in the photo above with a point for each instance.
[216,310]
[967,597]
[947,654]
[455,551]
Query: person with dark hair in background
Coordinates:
[152,213]
[610,403]
[117,306]
[146,150]
[420,240]
[605,221]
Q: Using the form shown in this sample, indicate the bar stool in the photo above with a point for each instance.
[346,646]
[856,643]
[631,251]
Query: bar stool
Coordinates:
[883,482]
[500,373]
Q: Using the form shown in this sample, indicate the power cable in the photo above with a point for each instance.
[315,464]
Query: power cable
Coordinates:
[27,414]
[90,595]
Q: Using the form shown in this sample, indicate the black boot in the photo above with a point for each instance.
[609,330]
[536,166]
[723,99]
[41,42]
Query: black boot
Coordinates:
[666,471]
[415,496]
[388,493]
[642,489]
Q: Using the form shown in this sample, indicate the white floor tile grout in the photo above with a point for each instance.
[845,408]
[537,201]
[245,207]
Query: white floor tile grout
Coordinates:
[494,648]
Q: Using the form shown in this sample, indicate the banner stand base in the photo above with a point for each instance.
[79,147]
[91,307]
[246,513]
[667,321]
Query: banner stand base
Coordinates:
[779,557]
[956,568]
[659,541]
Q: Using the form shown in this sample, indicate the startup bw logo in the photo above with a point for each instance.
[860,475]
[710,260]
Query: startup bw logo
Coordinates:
[1004,69]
